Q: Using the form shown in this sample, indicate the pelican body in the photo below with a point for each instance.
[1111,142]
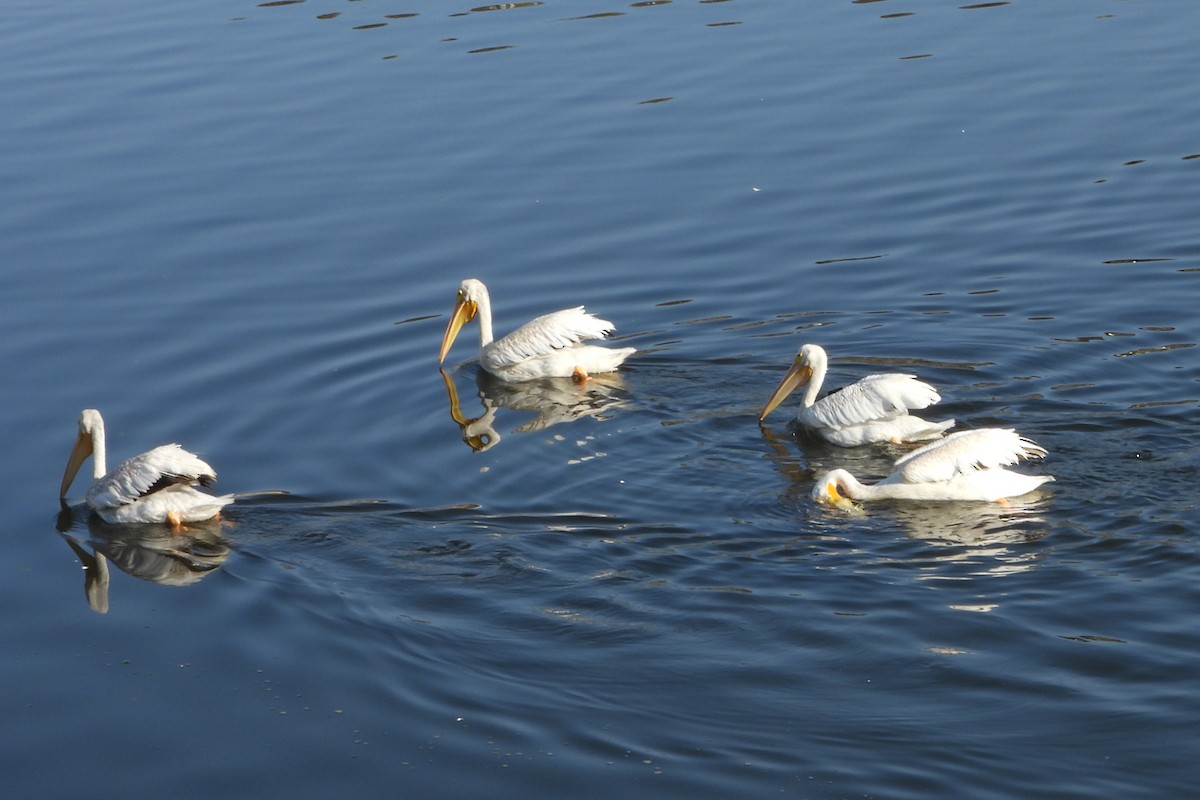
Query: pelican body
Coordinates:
[550,346]
[873,409]
[968,465]
[156,486]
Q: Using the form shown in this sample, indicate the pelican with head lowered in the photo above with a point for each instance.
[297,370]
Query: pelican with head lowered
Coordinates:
[968,465]
[873,409]
[156,486]
[551,346]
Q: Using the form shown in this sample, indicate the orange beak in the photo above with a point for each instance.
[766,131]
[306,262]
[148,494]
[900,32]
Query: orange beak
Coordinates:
[464,311]
[798,375]
[79,454]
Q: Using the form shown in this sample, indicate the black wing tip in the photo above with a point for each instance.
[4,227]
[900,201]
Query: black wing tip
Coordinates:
[173,479]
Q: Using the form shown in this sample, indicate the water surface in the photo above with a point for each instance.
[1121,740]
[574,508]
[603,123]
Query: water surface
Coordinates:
[240,226]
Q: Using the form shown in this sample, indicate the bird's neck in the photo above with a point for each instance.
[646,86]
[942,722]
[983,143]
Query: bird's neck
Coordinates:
[814,383]
[99,459]
[484,315]
[856,490]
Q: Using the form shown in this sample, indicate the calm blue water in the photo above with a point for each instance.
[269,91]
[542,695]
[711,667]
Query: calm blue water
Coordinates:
[240,226]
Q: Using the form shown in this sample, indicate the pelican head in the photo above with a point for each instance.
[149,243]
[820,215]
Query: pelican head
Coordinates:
[91,427]
[471,293]
[803,367]
[834,488]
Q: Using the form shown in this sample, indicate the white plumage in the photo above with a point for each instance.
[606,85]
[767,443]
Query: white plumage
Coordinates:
[873,409]
[156,486]
[550,346]
[968,465]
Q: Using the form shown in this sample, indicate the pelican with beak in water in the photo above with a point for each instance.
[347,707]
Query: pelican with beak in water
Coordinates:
[968,465]
[872,409]
[156,486]
[550,346]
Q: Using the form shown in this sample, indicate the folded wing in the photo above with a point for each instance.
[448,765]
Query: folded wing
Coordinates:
[546,333]
[966,451]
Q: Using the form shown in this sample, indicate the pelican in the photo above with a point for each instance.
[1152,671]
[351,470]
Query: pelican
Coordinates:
[968,465]
[873,409]
[157,486]
[547,347]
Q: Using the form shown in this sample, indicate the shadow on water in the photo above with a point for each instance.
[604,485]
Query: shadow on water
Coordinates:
[366,540]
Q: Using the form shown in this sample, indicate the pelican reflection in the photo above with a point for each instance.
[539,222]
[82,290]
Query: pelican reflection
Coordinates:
[154,553]
[975,523]
[552,400]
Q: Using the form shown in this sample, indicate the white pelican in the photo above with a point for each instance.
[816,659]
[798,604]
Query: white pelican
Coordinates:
[546,347]
[968,465]
[157,486]
[873,409]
